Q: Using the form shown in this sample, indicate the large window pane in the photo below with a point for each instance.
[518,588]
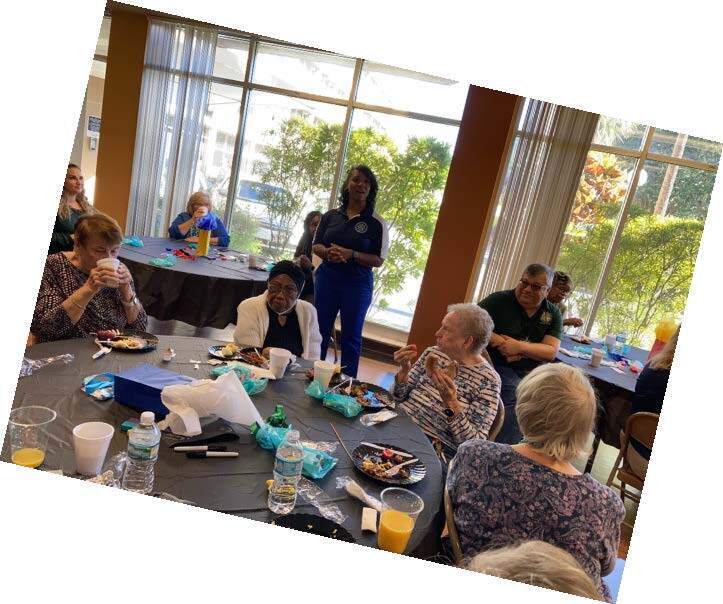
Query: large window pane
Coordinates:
[304,70]
[287,169]
[653,265]
[220,126]
[402,89]
[618,133]
[411,159]
[599,199]
[674,144]
[231,57]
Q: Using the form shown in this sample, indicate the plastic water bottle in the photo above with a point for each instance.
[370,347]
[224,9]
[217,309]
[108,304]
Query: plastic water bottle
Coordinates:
[287,472]
[143,443]
[620,344]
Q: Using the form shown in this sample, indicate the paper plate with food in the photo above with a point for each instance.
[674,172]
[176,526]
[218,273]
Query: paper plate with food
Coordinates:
[388,463]
[127,340]
[369,396]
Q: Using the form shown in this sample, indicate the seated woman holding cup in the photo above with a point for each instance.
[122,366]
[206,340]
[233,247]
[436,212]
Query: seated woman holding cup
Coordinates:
[452,392]
[88,289]
[504,494]
[184,226]
[277,318]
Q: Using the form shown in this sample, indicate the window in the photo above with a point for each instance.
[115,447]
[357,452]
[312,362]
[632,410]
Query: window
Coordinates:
[636,225]
[284,123]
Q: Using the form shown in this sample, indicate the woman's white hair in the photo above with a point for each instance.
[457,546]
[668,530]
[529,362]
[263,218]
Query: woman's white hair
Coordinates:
[556,410]
[475,323]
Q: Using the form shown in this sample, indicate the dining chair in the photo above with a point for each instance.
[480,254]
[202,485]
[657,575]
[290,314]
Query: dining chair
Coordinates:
[452,528]
[498,421]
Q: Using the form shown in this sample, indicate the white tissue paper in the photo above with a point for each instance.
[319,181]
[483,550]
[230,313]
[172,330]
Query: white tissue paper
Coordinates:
[224,397]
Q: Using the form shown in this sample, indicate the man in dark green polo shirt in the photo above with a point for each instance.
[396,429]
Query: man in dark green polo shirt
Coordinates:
[526,334]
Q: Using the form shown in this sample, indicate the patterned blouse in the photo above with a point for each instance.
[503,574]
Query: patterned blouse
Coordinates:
[501,498]
[104,311]
[478,391]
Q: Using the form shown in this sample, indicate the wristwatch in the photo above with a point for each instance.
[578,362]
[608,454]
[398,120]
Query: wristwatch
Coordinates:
[354,255]
[449,413]
[132,302]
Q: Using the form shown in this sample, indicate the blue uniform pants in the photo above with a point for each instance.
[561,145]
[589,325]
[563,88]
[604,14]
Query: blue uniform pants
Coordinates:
[334,294]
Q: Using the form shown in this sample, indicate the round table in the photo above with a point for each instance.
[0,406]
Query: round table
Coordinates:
[203,292]
[235,486]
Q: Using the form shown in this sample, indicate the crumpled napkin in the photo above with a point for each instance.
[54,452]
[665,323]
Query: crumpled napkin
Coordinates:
[224,397]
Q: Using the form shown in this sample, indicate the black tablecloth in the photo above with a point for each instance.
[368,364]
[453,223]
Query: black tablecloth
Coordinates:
[202,292]
[614,390]
[235,486]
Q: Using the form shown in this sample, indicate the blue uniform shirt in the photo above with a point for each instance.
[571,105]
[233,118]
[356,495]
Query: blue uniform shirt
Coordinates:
[365,233]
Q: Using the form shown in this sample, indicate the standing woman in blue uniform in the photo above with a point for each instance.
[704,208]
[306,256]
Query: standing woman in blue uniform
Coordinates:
[351,240]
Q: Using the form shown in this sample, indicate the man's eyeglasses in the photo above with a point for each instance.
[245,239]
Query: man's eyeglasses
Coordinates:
[535,287]
[288,290]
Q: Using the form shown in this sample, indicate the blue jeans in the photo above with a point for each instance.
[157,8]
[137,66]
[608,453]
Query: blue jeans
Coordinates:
[510,433]
[334,294]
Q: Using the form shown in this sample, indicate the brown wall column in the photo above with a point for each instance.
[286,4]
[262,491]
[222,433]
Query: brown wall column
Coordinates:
[479,157]
[124,73]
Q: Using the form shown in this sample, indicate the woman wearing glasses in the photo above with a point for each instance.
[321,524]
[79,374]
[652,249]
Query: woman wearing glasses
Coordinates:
[560,290]
[527,333]
[277,318]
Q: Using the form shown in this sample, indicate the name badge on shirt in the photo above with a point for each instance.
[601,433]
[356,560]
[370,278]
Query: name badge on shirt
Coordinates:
[361,227]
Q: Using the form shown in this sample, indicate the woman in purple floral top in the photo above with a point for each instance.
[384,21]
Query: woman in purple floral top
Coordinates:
[76,296]
[503,495]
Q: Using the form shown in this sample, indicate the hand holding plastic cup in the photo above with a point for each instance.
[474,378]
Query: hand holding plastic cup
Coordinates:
[91,441]
[28,427]
[400,510]
[278,361]
[323,372]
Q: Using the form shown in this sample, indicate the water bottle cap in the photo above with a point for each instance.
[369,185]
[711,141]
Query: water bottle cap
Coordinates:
[147,418]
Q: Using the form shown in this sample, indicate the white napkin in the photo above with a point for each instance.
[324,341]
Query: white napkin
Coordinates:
[224,397]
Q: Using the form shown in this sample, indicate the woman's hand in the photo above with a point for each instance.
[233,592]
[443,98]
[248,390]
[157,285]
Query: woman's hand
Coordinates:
[344,253]
[100,277]
[191,239]
[447,390]
[304,262]
[405,356]
[124,275]
[200,213]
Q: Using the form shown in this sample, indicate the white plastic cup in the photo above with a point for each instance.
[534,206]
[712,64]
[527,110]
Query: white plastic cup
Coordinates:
[91,441]
[253,261]
[278,361]
[323,372]
[113,263]
[610,342]
[596,357]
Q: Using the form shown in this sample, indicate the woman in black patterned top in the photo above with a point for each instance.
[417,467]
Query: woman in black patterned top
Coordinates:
[451,410]
[503,495]
[76,296]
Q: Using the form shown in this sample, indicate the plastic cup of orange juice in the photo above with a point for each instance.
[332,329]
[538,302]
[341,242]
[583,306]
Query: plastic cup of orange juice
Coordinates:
[400,510]
[29,434]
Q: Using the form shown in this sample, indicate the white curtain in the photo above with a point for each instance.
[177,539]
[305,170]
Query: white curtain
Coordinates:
[174,95]
[536,198]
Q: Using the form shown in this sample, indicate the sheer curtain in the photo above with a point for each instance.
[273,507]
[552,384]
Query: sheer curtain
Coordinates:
[542,177]
[174,94]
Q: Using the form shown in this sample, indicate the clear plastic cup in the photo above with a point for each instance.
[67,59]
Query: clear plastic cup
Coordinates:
[29,430]
[323,372]
[278,361]
[90,442]
[400,510]
[113,263]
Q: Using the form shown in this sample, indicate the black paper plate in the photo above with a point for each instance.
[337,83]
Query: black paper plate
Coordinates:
[376,405]
[417,471]
[316,525]
[215,351]
[149,340]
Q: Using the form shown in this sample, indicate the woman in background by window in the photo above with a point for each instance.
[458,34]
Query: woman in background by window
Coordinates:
[303,254]
[73,203]
[351,240]
[184,226]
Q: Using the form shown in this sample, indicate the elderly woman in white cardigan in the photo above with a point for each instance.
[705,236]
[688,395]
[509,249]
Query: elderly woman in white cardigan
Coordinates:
[277,318]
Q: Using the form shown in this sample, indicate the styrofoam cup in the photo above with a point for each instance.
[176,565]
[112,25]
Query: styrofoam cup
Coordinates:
[278,360]
[323,372]
[91,441]
[596,357]
[108,263]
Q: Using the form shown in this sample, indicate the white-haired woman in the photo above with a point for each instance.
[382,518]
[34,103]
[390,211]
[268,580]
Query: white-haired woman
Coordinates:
[504,494]
[73,204]
[537,563]
[451,391]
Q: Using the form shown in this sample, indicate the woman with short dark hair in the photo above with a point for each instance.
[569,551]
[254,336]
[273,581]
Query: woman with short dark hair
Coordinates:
[351,239]
[77,297]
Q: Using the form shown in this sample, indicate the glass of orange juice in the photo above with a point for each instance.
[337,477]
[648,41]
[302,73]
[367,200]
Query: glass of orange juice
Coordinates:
[400,509]
[29,434]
